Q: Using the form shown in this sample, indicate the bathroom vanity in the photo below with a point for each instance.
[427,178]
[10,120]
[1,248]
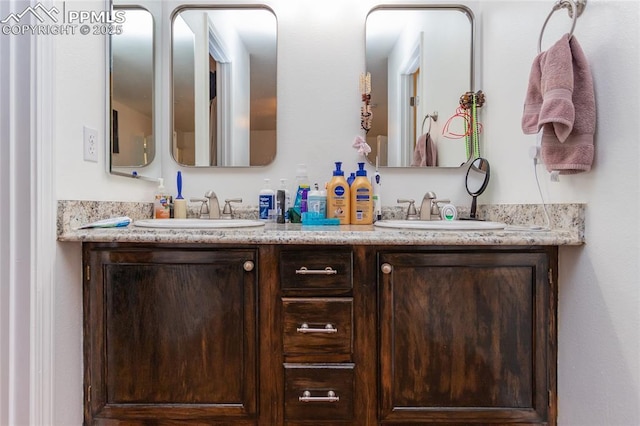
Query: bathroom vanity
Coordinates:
[294,325]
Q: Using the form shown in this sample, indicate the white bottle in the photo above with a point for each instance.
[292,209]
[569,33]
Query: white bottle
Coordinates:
[266,201]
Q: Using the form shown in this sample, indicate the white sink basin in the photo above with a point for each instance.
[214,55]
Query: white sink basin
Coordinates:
[198,223]
[441,225]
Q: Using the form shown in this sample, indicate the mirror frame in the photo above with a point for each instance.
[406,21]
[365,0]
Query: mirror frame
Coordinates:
[172,17]
[472,60]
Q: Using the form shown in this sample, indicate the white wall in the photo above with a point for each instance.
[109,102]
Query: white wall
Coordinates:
[320,58]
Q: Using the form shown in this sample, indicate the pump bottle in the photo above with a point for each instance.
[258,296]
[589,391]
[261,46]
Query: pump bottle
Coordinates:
[338,198]
[161,202]
[361,198]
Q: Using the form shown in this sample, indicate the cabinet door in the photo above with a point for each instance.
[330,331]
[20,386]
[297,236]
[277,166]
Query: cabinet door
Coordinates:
[466,337]
[170,334]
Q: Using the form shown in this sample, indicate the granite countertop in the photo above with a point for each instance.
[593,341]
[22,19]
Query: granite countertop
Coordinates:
[567,228]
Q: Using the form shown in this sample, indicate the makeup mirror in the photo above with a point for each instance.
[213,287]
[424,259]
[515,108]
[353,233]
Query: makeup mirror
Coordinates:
[223,67]
[476,182]
[421,60]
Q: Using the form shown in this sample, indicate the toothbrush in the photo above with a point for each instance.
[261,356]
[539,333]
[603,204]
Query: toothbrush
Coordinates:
[377,203]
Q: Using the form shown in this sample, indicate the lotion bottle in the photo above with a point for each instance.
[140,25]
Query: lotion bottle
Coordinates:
[361,198]
[338,197]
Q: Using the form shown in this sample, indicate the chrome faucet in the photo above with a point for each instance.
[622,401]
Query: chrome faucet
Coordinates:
[427,205]
[429,209]
[210,208]
[214,205]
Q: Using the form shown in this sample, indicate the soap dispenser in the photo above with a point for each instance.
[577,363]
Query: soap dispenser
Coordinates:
[161,202]
[338,198]
[361,198]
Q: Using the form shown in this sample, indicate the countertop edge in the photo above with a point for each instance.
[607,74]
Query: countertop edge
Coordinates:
[567,221]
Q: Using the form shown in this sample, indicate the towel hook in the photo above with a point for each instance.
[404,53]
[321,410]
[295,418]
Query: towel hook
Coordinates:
[575,9]
[432,117]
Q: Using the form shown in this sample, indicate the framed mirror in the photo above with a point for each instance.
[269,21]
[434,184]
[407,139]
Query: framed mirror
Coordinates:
[421,60]
[223,65]
[131,77]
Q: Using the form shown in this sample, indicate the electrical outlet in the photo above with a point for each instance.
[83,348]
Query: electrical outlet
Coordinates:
[90,144]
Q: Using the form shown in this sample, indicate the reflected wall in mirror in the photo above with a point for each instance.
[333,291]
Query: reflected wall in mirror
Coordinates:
[224,86]
[131,77]
[421,62]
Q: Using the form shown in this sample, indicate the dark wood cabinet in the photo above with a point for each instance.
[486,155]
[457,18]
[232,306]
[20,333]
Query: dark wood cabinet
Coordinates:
[467,337]
[318,335]
[170,334]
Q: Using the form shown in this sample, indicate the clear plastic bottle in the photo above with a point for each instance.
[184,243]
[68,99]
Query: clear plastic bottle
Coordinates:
[318,202]
[338,198]
[161,202]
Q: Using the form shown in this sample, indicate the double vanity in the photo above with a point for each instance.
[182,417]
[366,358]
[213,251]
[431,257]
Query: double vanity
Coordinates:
[336,325]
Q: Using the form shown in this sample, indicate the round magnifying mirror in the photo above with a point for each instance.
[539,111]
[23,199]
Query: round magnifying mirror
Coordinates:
[476,181]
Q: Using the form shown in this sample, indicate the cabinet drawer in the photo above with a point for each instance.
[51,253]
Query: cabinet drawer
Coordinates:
[319,269]
[317,326]
[319,392]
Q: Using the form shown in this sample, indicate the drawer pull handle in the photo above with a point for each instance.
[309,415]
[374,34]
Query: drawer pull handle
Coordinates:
[306,397]
[326,271]
[248,266]
[328,329]
[386,268]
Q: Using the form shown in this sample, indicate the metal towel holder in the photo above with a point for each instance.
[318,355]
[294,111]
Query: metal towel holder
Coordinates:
[574,8]
[431,117]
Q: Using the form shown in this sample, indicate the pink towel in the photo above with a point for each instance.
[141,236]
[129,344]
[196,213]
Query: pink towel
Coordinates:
[560,100]
[424,154]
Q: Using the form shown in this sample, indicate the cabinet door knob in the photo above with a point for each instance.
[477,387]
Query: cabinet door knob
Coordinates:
[386,268]
[306,397]
[328,329]
[248,266]
[326,271]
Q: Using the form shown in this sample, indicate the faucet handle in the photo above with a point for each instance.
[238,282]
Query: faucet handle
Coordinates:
[412,214]
[227,211]
[435,208]
[204,207]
